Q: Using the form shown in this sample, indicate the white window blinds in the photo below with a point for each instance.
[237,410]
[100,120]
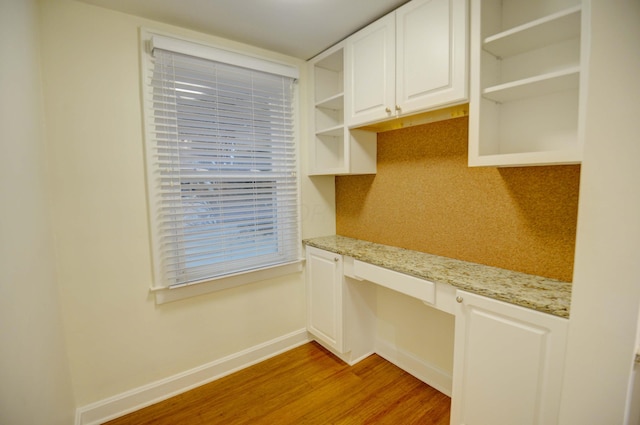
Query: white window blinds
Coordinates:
[223,186]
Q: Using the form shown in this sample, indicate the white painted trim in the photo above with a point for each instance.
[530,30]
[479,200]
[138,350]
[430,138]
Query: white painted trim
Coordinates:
[346,357]
[353,362]
[146,395]
[169,294]
[200,50]
[427,373]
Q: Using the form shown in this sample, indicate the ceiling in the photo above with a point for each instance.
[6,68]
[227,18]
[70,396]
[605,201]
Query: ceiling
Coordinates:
[299,28]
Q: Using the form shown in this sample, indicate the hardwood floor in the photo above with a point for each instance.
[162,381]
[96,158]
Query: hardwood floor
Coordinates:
[306,385]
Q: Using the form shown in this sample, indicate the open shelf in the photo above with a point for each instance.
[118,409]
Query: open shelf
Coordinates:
[527,69]
[539,85]
[344,152]
[334,149]
[541,32]
[336,131]
[527,159]
[334,102]
[529,131]
[329,155]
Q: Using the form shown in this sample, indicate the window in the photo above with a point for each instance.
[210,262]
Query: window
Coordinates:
[221,162]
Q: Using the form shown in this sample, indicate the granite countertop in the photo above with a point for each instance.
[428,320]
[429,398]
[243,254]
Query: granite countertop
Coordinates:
[535,292]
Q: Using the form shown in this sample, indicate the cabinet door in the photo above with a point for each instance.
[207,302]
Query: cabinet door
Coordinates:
[324,297]
[508,363]
[431,54]
[370,73]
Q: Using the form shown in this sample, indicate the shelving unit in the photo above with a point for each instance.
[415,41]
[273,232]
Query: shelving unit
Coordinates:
[527,76]
[334,149]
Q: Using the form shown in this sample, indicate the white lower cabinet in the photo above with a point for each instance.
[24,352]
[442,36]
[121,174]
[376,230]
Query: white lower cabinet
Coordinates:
[508,360]
[508,363]
[340,310]
[325,297]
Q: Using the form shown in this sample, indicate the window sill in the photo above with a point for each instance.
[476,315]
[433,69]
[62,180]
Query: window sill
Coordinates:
[167,295]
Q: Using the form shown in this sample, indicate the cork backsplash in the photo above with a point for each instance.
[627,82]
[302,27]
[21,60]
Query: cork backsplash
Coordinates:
[425,198]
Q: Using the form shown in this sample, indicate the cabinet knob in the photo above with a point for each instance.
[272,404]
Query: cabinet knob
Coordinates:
[387,110]
[398,108]
[459,299]
[336,259]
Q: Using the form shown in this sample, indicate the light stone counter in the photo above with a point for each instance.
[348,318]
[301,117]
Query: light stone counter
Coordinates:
[535,292]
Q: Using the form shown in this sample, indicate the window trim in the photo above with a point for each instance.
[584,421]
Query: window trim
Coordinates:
[168,294]
[220,55]
[164,294]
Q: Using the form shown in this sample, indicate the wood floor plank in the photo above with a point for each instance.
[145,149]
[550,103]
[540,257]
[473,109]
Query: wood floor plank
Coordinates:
[306,385]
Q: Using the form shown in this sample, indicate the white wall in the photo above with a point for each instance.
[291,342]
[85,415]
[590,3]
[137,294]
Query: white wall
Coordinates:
[35,386]
[416,337]
[117,337]
[606,289]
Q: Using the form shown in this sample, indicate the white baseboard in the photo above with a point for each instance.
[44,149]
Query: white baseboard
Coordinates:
[130,401]
[345,357]
[427,373]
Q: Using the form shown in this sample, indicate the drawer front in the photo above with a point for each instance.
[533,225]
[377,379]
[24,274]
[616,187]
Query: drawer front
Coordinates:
[409,285]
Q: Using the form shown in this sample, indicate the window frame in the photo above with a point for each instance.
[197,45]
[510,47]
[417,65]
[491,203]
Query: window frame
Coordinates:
[162,291]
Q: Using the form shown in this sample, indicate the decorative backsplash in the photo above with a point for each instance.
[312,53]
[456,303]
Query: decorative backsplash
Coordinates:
[424,197]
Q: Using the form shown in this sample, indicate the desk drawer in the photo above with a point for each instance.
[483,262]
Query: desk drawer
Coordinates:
[400,282]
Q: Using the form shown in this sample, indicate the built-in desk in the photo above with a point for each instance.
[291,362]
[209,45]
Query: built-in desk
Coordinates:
[534,292]
[510,328]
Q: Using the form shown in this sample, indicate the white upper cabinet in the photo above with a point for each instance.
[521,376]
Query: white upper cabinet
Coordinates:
[528,67]
[371,72]
[410,61]
[431,54]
